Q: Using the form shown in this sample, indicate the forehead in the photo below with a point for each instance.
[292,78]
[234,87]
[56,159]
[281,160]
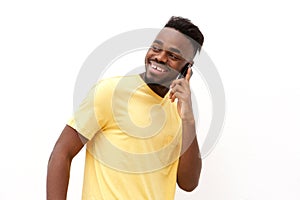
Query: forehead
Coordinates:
[173,39]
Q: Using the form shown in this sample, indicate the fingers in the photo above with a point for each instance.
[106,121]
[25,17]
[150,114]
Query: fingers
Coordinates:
[177,82]
[186,78]
[180,82]
[174,93]
[179,89]
[189,74]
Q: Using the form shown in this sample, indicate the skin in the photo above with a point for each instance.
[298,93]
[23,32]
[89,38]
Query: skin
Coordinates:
[171,40]
[71,142]
[176,51]
[67,146]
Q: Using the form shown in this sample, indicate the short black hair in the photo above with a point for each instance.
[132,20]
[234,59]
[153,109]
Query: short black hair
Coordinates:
[186,27]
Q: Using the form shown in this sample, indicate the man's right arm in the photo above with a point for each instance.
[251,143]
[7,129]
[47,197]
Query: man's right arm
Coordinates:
[67,146]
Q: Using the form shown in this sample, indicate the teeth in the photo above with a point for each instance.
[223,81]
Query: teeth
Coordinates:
[158,68]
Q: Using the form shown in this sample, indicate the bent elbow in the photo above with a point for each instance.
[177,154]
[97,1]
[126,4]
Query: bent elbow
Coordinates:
[189,187]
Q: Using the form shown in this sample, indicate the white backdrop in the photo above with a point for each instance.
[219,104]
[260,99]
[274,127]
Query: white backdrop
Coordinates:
[254,45]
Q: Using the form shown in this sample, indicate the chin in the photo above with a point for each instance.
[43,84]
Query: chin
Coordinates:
[150,79]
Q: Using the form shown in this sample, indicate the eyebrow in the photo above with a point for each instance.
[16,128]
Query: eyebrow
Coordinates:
[171,49]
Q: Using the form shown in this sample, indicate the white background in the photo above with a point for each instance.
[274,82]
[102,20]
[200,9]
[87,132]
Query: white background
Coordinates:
[254,45]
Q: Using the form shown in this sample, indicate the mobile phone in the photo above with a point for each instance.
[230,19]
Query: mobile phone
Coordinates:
[184,71]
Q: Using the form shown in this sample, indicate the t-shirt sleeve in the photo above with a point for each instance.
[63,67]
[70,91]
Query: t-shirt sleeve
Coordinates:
[91,115]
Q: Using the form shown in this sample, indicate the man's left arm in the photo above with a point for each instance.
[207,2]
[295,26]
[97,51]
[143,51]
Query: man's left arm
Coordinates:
[190,162]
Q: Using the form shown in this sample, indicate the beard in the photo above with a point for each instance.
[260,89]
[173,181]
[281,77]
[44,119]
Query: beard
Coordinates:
[163,78]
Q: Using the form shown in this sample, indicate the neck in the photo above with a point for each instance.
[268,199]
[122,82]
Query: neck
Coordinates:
[157,88]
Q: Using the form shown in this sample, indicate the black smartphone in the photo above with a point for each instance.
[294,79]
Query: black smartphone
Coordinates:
[184,71]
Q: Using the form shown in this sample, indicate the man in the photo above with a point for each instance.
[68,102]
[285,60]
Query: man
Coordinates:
[139,130]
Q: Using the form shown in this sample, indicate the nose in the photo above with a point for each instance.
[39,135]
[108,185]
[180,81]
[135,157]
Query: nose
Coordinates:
[161,57]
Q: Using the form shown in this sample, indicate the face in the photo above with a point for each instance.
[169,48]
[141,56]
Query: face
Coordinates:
[166,57]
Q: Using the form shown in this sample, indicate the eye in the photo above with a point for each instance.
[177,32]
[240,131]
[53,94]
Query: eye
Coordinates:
[174,56]
[156,48]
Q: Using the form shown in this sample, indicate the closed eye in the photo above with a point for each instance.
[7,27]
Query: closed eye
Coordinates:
[174,56]
[156,48]
[171,55]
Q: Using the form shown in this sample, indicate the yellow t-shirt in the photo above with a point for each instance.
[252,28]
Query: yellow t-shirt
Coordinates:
[134,141]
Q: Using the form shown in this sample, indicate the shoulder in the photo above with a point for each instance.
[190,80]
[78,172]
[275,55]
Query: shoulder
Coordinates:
[115,81]
[108,85]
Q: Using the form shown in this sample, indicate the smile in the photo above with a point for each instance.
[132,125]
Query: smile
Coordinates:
[157,68]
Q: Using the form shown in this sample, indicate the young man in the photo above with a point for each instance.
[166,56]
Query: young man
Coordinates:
[140,141]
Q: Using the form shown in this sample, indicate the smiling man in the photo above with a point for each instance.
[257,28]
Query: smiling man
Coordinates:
[168,54]
[132,154]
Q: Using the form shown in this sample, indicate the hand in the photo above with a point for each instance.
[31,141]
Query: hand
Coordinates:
[180,90]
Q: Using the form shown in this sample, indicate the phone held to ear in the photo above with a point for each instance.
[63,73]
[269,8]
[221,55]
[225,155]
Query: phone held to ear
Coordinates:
[184,71]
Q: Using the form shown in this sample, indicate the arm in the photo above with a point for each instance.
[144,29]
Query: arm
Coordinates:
[67,146]
[190,162]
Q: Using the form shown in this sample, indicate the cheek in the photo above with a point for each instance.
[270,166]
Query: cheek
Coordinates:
[176,67]
[148,55]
